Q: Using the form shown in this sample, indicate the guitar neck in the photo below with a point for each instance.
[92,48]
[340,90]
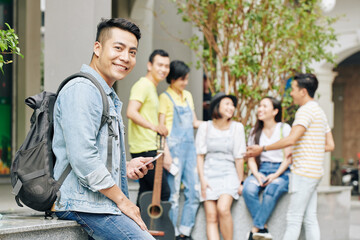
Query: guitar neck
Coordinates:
[157,181]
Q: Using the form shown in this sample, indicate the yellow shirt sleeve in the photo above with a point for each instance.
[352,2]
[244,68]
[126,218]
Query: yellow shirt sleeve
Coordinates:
[139,91]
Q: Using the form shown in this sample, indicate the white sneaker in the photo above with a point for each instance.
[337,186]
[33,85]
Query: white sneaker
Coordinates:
[263,234]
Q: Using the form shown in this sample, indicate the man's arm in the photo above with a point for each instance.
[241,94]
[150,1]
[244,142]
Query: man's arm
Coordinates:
[124,204]
[295,133]
[196,122]
[133,113]
[329,142]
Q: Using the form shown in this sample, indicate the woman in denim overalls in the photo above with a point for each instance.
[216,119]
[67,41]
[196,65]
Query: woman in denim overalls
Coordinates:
[176,111]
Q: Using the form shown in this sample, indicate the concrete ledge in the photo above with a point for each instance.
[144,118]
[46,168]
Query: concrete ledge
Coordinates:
[334,204]
[33,226]
[333,215]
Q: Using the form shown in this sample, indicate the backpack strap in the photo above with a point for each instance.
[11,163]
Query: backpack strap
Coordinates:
[105,118]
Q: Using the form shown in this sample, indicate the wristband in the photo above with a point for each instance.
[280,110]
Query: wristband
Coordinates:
[263,149]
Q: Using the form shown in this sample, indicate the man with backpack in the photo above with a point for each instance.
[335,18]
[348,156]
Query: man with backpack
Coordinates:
[95,192]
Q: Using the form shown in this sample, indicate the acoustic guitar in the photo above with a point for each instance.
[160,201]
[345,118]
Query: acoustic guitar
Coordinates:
[154,212]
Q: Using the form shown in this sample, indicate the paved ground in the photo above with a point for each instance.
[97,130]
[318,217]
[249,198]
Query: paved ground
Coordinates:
[355,218]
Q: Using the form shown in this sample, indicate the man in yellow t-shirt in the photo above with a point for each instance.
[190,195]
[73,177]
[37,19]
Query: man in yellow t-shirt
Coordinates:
[310,137]
[142,112]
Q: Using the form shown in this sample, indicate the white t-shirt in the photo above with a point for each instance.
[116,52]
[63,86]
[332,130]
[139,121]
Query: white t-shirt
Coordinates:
[273,155]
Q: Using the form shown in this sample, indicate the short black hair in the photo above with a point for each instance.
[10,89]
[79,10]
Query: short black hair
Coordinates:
[160,52]
[178,69]
[307,81]
[103,28]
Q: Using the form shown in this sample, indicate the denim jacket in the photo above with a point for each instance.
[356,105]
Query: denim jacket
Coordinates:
[78,141]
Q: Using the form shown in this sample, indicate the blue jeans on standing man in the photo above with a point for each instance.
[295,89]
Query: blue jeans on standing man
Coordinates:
[261,211]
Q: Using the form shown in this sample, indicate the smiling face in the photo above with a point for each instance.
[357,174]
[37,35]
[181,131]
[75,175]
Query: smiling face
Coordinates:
[115,57]
[297,93]
[266,110]
[180,84]
[159,68]
[226,108]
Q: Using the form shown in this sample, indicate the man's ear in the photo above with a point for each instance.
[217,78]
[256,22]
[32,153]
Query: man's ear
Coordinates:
[149,66]
[97,48]
[304,92]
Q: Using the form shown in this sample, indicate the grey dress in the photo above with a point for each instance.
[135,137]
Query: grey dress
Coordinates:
[221,148]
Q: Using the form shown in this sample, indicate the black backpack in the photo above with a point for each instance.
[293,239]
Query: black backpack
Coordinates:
[32,169]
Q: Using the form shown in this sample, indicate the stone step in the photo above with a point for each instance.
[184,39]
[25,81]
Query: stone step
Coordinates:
[33,226]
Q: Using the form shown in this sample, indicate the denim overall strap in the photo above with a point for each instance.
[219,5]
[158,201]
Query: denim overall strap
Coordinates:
[182,149]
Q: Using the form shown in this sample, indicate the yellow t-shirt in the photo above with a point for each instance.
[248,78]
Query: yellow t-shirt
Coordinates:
[166,106]
[143,139]
[309,151]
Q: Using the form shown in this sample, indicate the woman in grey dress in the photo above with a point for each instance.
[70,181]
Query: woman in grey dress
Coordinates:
[220,146]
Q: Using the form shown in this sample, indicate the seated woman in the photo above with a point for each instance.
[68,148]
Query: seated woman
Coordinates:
[270,170]
[220,146]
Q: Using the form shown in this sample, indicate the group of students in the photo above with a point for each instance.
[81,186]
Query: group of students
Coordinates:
[220,148]
[211,167]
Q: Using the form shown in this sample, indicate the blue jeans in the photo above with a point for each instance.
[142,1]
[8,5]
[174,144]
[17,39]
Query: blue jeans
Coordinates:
[302,208]
[106,226]
[261,211]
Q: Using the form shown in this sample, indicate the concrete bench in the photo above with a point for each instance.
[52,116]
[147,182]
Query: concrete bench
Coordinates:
[333,215]
[33,226]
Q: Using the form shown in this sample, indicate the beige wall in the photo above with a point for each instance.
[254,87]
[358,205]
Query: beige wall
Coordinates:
[150,15]
[27,70]
[70,31]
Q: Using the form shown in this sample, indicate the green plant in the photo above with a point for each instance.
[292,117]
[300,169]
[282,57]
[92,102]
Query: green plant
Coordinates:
[250,48]
[8,45]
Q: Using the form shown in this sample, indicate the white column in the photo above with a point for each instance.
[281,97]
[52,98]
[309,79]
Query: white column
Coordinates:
[70,31]
[324,96]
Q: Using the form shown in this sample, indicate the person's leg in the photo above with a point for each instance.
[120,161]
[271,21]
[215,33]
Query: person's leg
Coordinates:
[225,218]
[312,228]
[271,195]
[174,184]
[190,180]
[147,182]
[107,226]
[251,195]
[302,189]
[212,221]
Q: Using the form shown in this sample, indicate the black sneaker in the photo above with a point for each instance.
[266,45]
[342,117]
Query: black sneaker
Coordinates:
[262,234]
[249,236]
[183,237]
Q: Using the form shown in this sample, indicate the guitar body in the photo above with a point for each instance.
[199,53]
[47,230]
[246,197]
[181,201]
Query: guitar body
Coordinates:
[158,220]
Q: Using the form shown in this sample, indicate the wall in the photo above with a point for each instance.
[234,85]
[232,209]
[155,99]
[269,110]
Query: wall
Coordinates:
[70,31]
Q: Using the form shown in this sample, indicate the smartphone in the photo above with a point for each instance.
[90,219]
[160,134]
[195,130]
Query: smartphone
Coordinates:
[150,161]
[266,181]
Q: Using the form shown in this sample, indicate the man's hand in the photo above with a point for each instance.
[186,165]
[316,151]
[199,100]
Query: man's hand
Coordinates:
[132,211]
[161,129]
[254,151]
[132,170]
[167,157]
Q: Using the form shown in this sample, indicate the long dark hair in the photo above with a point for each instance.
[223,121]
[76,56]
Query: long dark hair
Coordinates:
[259,125]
